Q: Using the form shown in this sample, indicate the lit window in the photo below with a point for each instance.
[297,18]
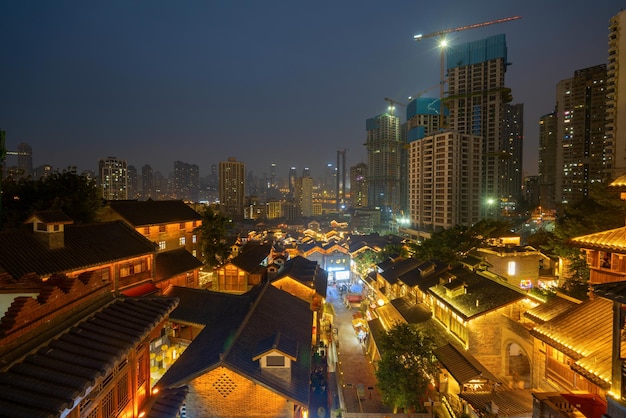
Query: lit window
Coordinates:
[194,239]
[511,268]
[161,245]
[181,241]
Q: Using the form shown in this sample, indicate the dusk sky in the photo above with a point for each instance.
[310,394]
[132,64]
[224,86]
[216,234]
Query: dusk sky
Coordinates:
[289,82]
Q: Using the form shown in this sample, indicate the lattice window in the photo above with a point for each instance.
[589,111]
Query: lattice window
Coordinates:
[225,385]
[108,405]
[123,394]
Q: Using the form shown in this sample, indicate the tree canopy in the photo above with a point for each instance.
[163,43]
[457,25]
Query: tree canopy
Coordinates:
[213,237]
[77,196]
[406,367]
[450,245]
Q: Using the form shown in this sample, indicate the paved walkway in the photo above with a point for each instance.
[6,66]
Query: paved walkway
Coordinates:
[350,364]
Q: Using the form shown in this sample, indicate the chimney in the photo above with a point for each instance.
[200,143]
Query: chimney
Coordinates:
[49,227]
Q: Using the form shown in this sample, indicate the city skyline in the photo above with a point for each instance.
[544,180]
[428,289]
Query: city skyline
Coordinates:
[151,83]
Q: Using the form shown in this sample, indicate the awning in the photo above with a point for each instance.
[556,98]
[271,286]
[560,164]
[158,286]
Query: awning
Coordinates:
[592,406]
[143,289]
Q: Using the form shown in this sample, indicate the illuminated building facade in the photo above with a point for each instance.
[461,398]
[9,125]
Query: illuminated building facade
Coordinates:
[232,177]
[358,185]
[581,110]
[113,177]
[476,98]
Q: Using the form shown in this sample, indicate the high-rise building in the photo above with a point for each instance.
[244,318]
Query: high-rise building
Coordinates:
[422,119]
[25,159]
[384,144]
[358,185]
[581,118]
[512,152]
[304,195]
[132,182]
[147,182]
[476,98]
[293,176]
[186,181]
[340,194]
[615,142]
[113,178]
[232,176]
[547,160]
[444,181]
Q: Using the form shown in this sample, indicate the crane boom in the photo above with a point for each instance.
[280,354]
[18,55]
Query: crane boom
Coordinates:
[475,25]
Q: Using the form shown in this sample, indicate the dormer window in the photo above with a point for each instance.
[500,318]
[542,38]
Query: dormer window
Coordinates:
[275,361]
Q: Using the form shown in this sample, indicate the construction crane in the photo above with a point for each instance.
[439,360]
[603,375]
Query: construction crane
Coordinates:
[392,105]
[442,44]
[421,93]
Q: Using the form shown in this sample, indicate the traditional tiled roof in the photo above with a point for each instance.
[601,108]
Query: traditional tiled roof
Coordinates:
[615,291]
[462,365]
[46,383]
[425,275]
[584,334]
[50,217]
[251,259]
[399,268]
[550,310]
[481,295]
[153,212]
[412,313]
[612,240]
[85,246]
[510,403]
[305,271]
[233,338]
[168,403]
[171,263]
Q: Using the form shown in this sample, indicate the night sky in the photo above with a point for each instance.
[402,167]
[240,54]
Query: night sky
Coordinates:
[289,82]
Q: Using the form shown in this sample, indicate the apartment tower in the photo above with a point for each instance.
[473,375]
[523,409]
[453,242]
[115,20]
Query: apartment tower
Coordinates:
[232,175]
[615,142]
[581,114]
[444,181]
[384,145]
[547,161]
[113,178]
[358,185]
[476,101]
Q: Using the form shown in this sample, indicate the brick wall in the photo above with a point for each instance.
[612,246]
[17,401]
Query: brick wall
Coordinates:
[223,393]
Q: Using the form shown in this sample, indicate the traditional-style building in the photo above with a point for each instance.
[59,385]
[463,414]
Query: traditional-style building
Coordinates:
[332,257]
[249,355]
[113,251]
[246,270]
[73,349]
[171,224]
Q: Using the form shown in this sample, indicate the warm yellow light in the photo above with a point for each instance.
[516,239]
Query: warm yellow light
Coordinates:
[381,302]
[155,391]
[142,414]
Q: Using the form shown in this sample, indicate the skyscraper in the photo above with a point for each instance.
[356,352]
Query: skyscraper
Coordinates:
[581,118]
[547,160]
[147,182]
[304,195]
[384,143]
[444,181]
[476,98]
[615,142]
[293,176]
[186,181]
[232,175]
[341,179]
[132,182]
[512,155]
[358,185]
[113,178]
[25,159]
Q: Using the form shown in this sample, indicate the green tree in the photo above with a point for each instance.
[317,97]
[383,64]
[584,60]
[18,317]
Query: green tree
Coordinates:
[365,261]
[77,196]
[406,367]
[213,234]
[450,245]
